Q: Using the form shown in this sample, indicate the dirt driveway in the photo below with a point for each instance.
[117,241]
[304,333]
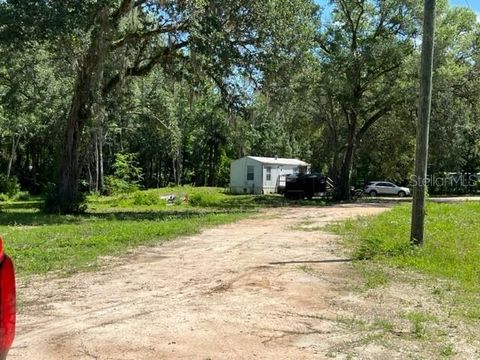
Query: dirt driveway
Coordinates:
[262,288]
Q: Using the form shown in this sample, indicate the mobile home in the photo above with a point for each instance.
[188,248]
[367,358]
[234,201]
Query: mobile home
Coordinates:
[263,175]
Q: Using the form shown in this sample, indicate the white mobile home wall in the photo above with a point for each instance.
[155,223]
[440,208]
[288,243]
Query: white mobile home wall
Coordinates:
[239,184]
[238,177]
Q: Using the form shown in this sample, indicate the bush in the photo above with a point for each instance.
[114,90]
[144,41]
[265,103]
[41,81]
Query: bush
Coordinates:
[147,198]
[179,200]
[54,204]
[4,197]
[9,185]
[205,199]
[114,185]
[23,196]
[126,177]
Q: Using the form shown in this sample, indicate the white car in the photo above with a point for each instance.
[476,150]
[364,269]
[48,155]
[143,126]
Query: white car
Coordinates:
[375,188]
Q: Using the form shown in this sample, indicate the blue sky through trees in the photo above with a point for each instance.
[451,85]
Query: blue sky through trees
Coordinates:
[472,4]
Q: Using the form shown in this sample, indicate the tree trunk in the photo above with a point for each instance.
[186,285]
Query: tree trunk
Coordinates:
[346,173]
[343,191]
[210,165]
[101,173]
[333,170]
[13,152]
[89,77]
[90,177]
[174,169]
[178,163]
[96,156]
[159,171]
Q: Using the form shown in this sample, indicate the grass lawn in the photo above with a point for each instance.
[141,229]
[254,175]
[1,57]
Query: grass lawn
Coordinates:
[451,250]
[40,243]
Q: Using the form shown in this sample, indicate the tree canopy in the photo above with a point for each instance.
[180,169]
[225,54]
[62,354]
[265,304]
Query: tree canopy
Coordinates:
[184,87]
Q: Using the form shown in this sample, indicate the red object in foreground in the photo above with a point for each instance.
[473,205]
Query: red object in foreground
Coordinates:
[7,303]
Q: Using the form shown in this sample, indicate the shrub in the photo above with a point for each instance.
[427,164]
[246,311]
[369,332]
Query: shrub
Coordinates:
[114,185]
[179,200]
[9,185]
[55,204]
[127,175]
[205,199]
[23,196]
[147,198]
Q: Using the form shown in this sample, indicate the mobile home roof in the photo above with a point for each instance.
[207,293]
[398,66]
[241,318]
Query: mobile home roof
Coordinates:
[278,161]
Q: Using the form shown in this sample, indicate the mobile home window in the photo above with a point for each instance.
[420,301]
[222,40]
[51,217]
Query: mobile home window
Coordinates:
[250,172]
[269,173]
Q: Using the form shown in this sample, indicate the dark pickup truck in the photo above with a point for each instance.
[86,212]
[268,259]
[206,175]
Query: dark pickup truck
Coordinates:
[300,186]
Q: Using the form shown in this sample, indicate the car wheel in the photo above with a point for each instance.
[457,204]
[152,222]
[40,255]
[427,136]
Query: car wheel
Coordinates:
[402,193]
[373,193]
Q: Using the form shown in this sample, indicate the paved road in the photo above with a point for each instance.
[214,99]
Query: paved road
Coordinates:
[437,199]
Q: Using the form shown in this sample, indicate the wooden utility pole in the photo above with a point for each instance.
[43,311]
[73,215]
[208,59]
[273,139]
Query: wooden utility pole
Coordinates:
[423,125]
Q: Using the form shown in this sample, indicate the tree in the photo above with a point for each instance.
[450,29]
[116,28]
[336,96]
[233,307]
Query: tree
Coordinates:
[455,104]
[31,99]
[188,86]
[218,38]
[362,51]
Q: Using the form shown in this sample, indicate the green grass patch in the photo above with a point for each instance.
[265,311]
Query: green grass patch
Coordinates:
[447,351]
[351,322]
[193,197]
[383,324]
[451,250]
[76,245]
[374,276]
[419,322]
[40,243]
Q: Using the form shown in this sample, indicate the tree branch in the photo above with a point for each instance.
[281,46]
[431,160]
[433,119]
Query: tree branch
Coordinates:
[383,111]
[137,36]
[364,86]
[125,7]
[139,69]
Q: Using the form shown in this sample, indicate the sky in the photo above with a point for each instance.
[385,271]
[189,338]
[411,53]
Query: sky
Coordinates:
[472,4]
